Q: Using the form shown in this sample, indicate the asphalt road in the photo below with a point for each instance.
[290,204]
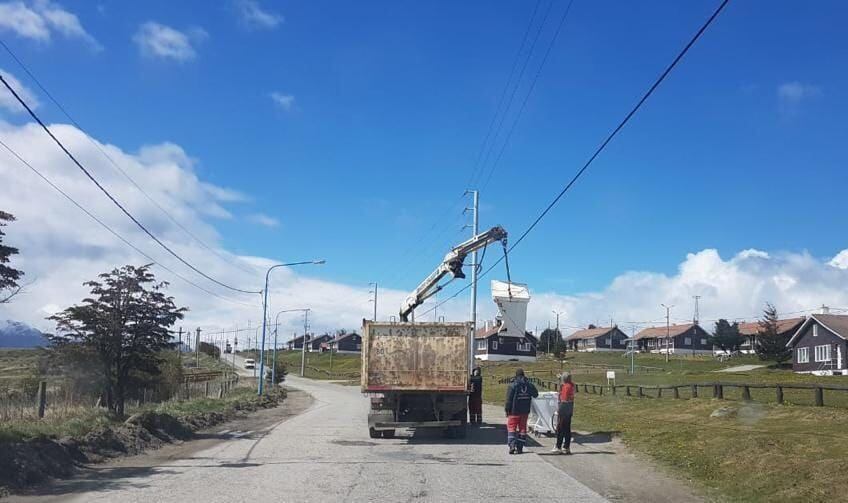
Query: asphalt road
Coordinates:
[324,454]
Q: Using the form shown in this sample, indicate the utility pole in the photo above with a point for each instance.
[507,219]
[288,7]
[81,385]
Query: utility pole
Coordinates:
[197,349]
[374,300]
[667,329]
[303,346]
[475,229]
[180,348]
[632,350]
[557,313]
[697,315]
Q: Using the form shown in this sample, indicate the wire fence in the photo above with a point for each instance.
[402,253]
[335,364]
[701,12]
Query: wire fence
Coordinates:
[58,399]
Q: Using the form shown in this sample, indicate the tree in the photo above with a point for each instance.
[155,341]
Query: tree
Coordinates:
[9,276]
[727,336]
[771,344]
[125,322]
[550,340]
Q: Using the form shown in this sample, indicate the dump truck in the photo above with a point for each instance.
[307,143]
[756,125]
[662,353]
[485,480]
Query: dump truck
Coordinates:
[416,375]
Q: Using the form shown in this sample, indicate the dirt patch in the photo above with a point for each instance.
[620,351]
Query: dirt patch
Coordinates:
[26,463]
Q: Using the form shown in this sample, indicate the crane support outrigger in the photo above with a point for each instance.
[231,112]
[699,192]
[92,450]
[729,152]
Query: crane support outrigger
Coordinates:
[452,264]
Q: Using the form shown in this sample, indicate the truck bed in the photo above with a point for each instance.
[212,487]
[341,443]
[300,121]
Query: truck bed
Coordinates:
[415,357]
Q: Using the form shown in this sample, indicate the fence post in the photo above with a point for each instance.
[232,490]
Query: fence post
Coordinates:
[676,392]
[602,390]
[659,392]
[746,393]
[42,398]
[206,389]
[779,391]
[641,392]
[720,390]
[819,396]
[694,391]
[627,391]
[613,389]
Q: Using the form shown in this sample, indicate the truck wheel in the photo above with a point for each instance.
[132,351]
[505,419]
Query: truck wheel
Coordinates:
[388,433]
[373,433]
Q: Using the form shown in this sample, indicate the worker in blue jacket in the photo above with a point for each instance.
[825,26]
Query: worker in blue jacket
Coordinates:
[519,395]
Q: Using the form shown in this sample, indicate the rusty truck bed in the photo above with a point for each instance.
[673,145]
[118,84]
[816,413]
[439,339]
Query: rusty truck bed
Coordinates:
[415,357]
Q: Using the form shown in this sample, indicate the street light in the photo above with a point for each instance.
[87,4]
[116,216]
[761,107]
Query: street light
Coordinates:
[265,315]
[276,329]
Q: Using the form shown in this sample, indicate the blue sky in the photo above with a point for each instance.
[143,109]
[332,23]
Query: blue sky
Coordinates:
[742,147]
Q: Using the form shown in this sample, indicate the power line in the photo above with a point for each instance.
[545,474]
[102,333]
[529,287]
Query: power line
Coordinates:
[603,145]
[529,92]
[503,94]
[112,231]
[118,168]
[112,198]
[517,85]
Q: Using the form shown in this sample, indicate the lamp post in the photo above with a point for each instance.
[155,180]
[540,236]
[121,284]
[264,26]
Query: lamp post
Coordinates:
[265,316]
[667,328]
[276,329]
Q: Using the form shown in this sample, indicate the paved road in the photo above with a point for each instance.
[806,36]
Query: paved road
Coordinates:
[325,455]
[741,368]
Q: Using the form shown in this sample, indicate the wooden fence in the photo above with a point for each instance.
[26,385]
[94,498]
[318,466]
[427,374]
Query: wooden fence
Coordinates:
[802,393]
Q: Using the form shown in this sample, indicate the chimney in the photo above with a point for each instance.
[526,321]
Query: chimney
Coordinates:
[825,309]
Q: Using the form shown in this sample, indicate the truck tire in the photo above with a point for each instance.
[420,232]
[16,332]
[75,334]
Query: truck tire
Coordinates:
[373,433]
[388,433]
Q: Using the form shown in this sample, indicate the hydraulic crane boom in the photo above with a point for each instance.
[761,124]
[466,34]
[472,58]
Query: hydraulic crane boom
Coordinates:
[452,264]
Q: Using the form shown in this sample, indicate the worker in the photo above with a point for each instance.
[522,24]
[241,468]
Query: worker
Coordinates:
[565,411]
[519,395]
[475,397]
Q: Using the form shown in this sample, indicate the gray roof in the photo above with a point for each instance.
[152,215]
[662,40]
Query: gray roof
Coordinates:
[836,323]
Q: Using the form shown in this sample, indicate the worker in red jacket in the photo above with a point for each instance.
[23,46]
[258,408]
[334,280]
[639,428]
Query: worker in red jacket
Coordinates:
[519,396]
[475,397]
[565,411]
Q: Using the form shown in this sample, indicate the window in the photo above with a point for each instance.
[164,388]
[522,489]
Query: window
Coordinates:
[494,344]
[802,355]
[523,346]
[815,330]
[823,353]
[359,347]
[481,345]
[687,341]
[703,342]
[609,341]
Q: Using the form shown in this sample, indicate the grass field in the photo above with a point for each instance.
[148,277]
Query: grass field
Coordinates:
[337,366]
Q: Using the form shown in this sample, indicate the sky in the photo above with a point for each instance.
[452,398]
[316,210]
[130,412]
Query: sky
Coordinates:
[287,131]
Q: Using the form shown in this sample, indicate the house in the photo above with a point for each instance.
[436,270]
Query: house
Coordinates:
[819,345]
[347,343]
[297,344]
[750,330]
[597,339]
[491,343]
[687,338]
[506,338]
[319,344]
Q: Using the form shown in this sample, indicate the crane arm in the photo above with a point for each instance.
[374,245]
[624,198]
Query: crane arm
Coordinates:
[452,264]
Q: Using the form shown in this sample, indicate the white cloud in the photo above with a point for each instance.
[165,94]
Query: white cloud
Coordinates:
[39,19]
[160,41]
[840,260]
[737,287]
[8,102]
[264,220]
[252,15]
[284,101]
[795,92]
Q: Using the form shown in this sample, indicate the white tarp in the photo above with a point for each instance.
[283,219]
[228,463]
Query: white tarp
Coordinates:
[511,299]
[506,290]
[542,411]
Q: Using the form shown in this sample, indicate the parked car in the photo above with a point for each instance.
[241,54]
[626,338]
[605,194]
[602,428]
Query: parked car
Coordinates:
[249,363]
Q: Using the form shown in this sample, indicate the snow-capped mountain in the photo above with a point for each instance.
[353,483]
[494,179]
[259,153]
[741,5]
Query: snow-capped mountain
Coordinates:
[14,334]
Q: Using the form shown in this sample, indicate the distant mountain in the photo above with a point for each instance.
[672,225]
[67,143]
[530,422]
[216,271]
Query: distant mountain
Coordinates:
[14,334]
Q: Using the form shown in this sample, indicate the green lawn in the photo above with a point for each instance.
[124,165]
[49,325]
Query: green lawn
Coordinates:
[337,366]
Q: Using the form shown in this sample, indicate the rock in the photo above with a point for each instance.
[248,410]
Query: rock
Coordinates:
[726,411]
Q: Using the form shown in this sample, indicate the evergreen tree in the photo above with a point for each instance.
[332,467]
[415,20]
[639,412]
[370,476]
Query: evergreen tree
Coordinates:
[125,322]
[550,340]
[727,336]
[771,345]
[9,276]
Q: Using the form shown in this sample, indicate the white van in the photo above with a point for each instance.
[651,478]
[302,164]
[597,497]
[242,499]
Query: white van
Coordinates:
[249,363]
